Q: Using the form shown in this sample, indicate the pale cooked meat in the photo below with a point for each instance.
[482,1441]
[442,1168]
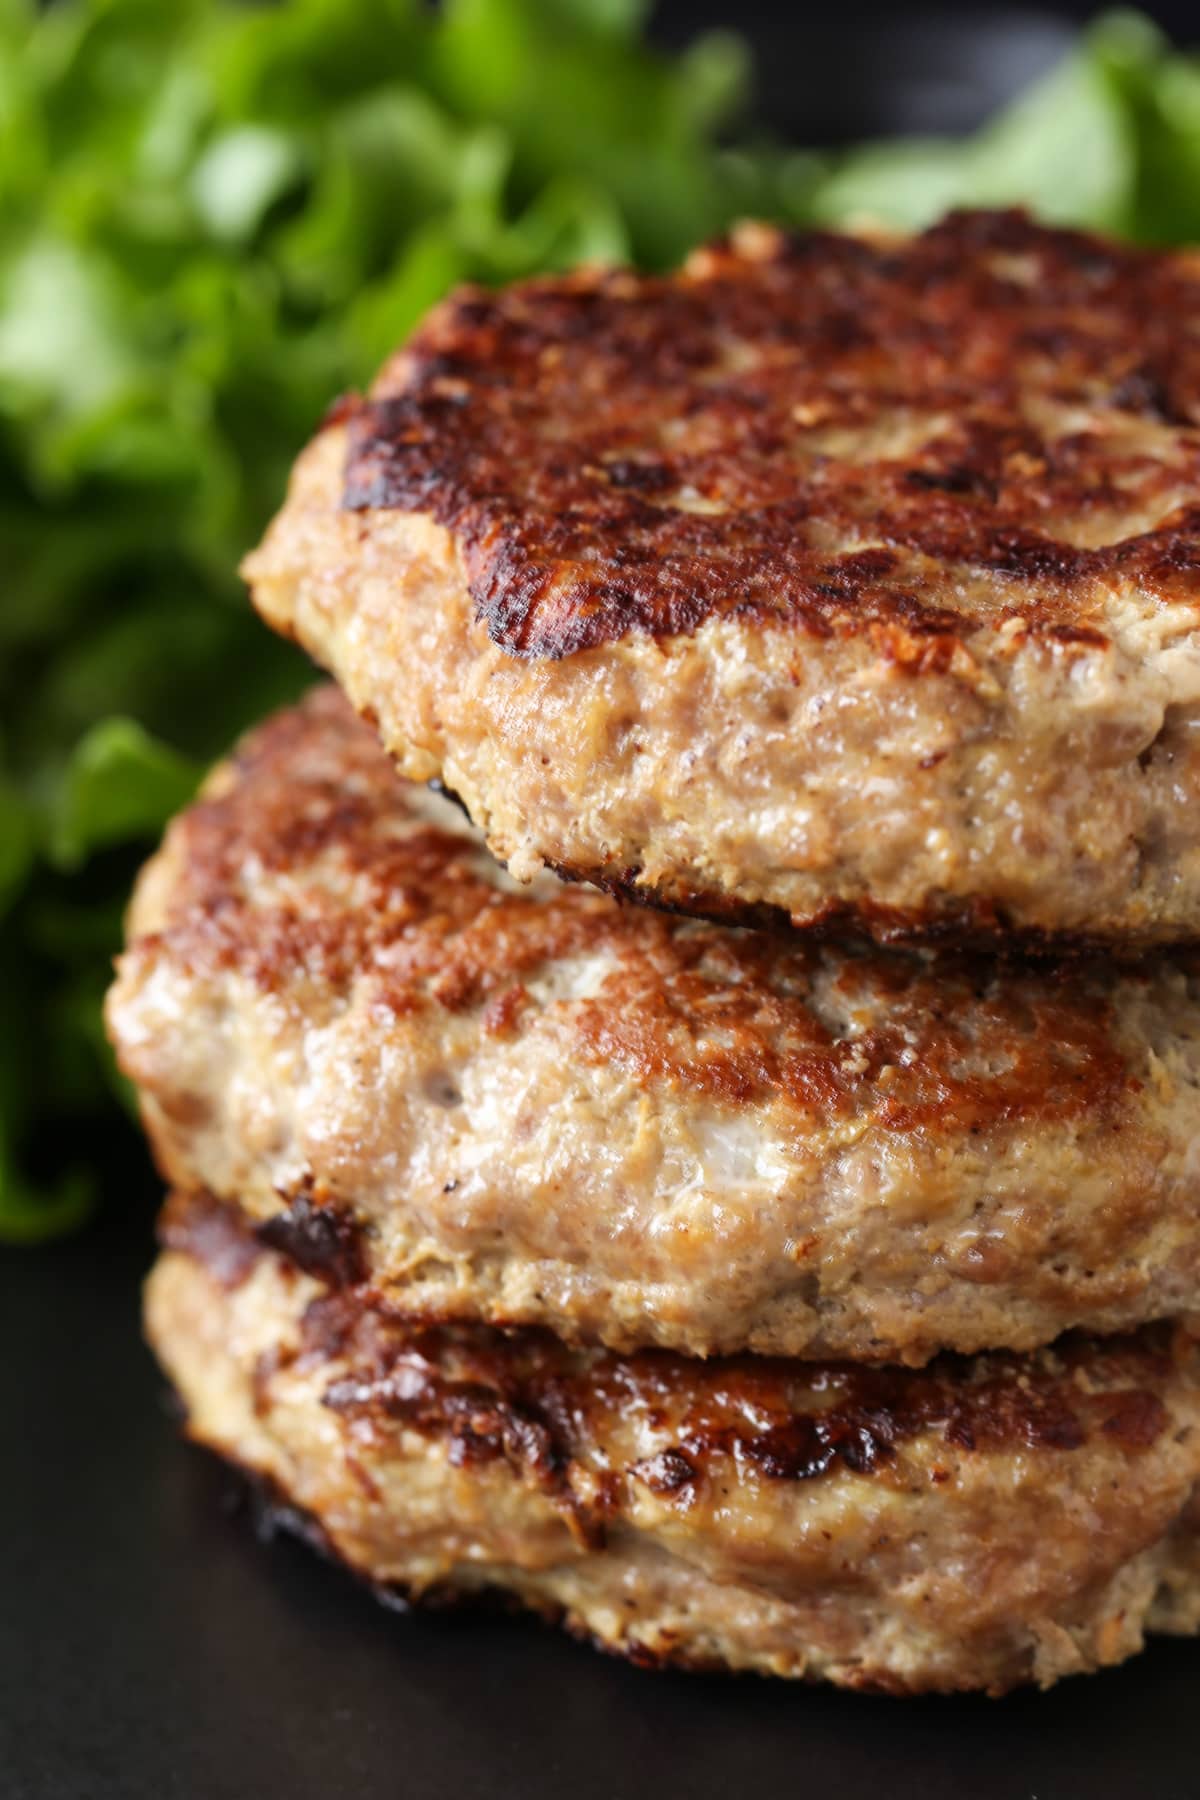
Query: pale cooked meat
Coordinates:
[829,578]
[538,1106]
[973,1525]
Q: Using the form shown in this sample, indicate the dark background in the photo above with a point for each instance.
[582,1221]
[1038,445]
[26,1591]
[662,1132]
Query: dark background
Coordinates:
[151,1649]
[846,69]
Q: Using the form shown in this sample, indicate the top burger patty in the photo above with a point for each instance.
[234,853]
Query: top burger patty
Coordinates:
[832,576]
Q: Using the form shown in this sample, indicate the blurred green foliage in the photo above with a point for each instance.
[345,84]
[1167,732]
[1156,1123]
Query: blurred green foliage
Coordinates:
[216,216]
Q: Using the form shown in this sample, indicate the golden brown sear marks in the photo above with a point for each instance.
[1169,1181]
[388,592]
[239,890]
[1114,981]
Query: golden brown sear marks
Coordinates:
[977,1525]
[834,431]
[310,869]
[525,1396]
[543,1405]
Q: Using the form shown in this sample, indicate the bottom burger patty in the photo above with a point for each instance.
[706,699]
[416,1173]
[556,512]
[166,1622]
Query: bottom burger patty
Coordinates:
[978,1523]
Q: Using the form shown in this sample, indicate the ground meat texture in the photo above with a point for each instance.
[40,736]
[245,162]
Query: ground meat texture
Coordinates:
[978,1524]
[536,1106]
[833,578]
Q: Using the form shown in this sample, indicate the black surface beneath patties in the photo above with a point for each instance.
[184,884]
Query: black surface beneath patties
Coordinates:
[152,1649]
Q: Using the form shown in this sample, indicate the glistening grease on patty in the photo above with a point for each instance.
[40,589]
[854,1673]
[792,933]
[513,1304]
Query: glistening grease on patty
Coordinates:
[833,578]
[536,1106]
[977,1524]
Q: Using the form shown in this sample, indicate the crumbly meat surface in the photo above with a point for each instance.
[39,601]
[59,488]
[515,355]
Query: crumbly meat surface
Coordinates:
[833,578]
[975,1525]
[536,1106]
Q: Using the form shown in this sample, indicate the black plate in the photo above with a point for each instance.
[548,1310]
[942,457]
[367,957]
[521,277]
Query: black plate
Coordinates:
[151,1648]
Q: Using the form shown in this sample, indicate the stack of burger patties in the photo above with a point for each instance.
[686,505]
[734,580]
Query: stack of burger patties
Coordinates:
[790,1271]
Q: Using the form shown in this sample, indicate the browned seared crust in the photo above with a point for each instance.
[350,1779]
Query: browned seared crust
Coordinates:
[619,453]
[528,1396]
[537,1106]
[831,578]
[976,1524]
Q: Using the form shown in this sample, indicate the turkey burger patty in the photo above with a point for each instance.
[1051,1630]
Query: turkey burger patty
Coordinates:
[976,1524]
[830,578]
[536,1106]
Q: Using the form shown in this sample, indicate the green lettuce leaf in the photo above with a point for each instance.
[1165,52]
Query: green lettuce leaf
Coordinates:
[214,217]
[120,783]
[1110,139]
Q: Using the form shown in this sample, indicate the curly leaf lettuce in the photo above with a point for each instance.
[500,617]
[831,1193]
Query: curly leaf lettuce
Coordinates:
[1110,139]
[213,217]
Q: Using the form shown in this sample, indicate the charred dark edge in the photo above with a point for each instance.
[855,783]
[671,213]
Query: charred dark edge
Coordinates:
[324,1240]
[437,786]
[272,1512]
[321,1237]
[974,926]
